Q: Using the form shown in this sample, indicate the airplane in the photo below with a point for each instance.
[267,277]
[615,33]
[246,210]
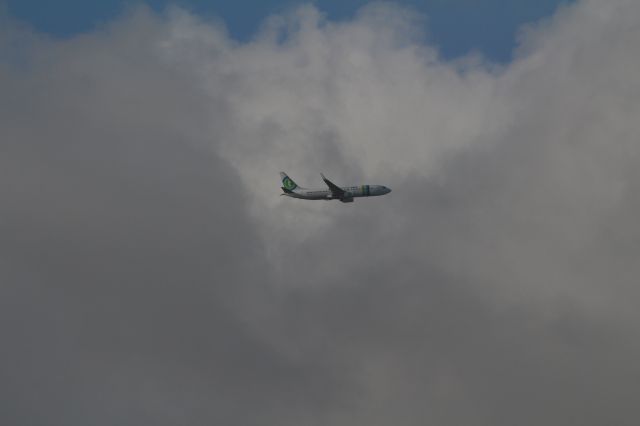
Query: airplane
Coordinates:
[346,194]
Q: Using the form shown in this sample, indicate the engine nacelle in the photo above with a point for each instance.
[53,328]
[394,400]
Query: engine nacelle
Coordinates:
[347,199]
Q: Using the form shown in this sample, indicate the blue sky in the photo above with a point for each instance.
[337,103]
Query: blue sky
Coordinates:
[456,26]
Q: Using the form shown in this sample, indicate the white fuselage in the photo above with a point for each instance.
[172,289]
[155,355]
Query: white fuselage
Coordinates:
[350,192]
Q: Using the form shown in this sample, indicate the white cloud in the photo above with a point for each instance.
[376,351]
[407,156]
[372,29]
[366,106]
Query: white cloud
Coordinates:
[148,257]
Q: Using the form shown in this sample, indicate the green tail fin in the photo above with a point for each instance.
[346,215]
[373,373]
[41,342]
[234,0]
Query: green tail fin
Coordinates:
[288,184]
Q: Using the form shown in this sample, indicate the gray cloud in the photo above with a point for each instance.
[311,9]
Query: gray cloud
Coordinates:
[150,274]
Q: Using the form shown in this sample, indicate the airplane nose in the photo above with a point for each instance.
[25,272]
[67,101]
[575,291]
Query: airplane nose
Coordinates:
[388,190]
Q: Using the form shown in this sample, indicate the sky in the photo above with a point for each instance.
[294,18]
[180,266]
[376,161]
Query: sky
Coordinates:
[150,273]
[455,26]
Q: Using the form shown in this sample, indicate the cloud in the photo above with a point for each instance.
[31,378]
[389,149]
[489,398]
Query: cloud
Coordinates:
[150,274]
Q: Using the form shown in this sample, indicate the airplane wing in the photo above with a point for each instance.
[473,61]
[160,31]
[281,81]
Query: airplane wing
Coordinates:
[335,189]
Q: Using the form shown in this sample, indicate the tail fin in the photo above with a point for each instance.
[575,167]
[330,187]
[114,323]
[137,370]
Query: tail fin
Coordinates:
[288,184]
